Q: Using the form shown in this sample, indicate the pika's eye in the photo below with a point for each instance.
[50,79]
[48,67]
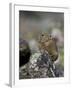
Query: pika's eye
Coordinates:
[42,34]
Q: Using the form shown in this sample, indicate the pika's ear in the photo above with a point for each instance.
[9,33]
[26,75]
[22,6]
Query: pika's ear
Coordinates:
[50,35]
[39,38]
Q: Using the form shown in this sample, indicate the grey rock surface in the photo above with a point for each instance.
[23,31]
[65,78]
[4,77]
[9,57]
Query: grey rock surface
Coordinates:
[40,66]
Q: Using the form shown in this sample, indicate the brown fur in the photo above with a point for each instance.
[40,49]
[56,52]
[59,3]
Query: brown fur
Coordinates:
[47,43]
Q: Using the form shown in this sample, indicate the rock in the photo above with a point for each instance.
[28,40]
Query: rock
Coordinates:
[24,53]
[33,46]
[40,66]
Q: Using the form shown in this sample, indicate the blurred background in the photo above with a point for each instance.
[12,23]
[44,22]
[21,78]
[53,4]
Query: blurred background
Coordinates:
[33,23]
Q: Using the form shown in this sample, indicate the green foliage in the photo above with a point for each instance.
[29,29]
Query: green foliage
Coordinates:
[62,56]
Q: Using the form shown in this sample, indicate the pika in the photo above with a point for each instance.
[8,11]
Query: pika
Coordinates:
[48,43]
